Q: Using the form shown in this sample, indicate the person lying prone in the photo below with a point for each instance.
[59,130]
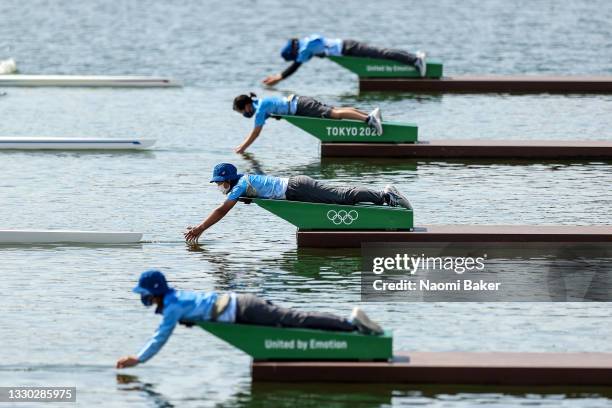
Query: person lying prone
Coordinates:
[189,308]
[295,188]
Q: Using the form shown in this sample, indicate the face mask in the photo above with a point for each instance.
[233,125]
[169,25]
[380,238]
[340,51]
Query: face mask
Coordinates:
[223,189]
[248,114]
[146,300]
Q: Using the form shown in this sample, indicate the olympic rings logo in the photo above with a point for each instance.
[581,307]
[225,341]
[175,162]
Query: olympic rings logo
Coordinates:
[342,216]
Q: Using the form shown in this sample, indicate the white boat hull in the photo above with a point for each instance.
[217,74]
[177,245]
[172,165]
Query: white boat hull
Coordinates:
[88,81]
[64,236]
[51,143]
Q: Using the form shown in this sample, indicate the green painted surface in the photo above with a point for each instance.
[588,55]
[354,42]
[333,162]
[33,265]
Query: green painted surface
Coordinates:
[316,216]
[380,68]
[344,130]
[276,343]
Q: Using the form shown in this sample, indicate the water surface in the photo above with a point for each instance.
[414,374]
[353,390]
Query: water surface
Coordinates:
[67,312]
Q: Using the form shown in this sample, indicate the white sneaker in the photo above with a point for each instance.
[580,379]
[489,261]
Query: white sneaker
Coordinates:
[395,198]
[420,63]
[8,66]
[364,324]
[375,121]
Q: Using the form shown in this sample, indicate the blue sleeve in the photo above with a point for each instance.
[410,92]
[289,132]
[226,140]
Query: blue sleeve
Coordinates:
[313,46]
[238,190]
[304,55]
[262,113]
[171,318]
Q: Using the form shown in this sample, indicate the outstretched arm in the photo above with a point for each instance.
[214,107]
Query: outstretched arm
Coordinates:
[193,233]
[156,342]
[276,78]
[249,140]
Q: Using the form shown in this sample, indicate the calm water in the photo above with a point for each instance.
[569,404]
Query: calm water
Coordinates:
[67,312]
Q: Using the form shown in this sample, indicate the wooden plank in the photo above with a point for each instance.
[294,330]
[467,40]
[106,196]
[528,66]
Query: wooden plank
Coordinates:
[475,149]
[493,368]
[487,234]
[492,84]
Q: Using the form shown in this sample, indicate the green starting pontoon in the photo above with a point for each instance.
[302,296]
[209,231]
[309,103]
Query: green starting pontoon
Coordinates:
[381,68]
[277,343]
[345,130]
[317,216]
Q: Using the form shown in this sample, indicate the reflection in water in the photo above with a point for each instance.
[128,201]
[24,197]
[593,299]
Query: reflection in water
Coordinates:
[526,272]
[336,167]
[298,268]
[131,383]
[377,97]
[580,279]
[224,272]
[315,271]
[254,166]
[315,263]
[499,391]
[379,395]
[311,395]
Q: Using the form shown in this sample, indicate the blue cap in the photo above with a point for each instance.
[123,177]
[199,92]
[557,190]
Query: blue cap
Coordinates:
[225,172]
[152,283]
[287,52]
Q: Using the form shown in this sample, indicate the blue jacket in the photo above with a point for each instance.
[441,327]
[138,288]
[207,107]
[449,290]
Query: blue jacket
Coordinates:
[317,45]
[259,185]
[272,105]
[184,306]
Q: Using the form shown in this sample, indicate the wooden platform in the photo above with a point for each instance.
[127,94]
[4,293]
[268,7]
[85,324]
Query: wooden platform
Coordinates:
[476,149]
[486,234]
[492,84]
[525,369]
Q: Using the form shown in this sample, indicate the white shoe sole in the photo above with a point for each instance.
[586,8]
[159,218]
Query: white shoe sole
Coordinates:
[363,322]
[422,56]
[377,118]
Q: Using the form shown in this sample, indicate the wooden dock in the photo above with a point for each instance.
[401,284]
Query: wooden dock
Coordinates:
[493,368]
[475,149]
[522,84]
[486,234]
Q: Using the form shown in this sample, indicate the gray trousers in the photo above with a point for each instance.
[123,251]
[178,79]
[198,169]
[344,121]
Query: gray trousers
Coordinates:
[307,106]
[353,48]
[254,310]
[304,188]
